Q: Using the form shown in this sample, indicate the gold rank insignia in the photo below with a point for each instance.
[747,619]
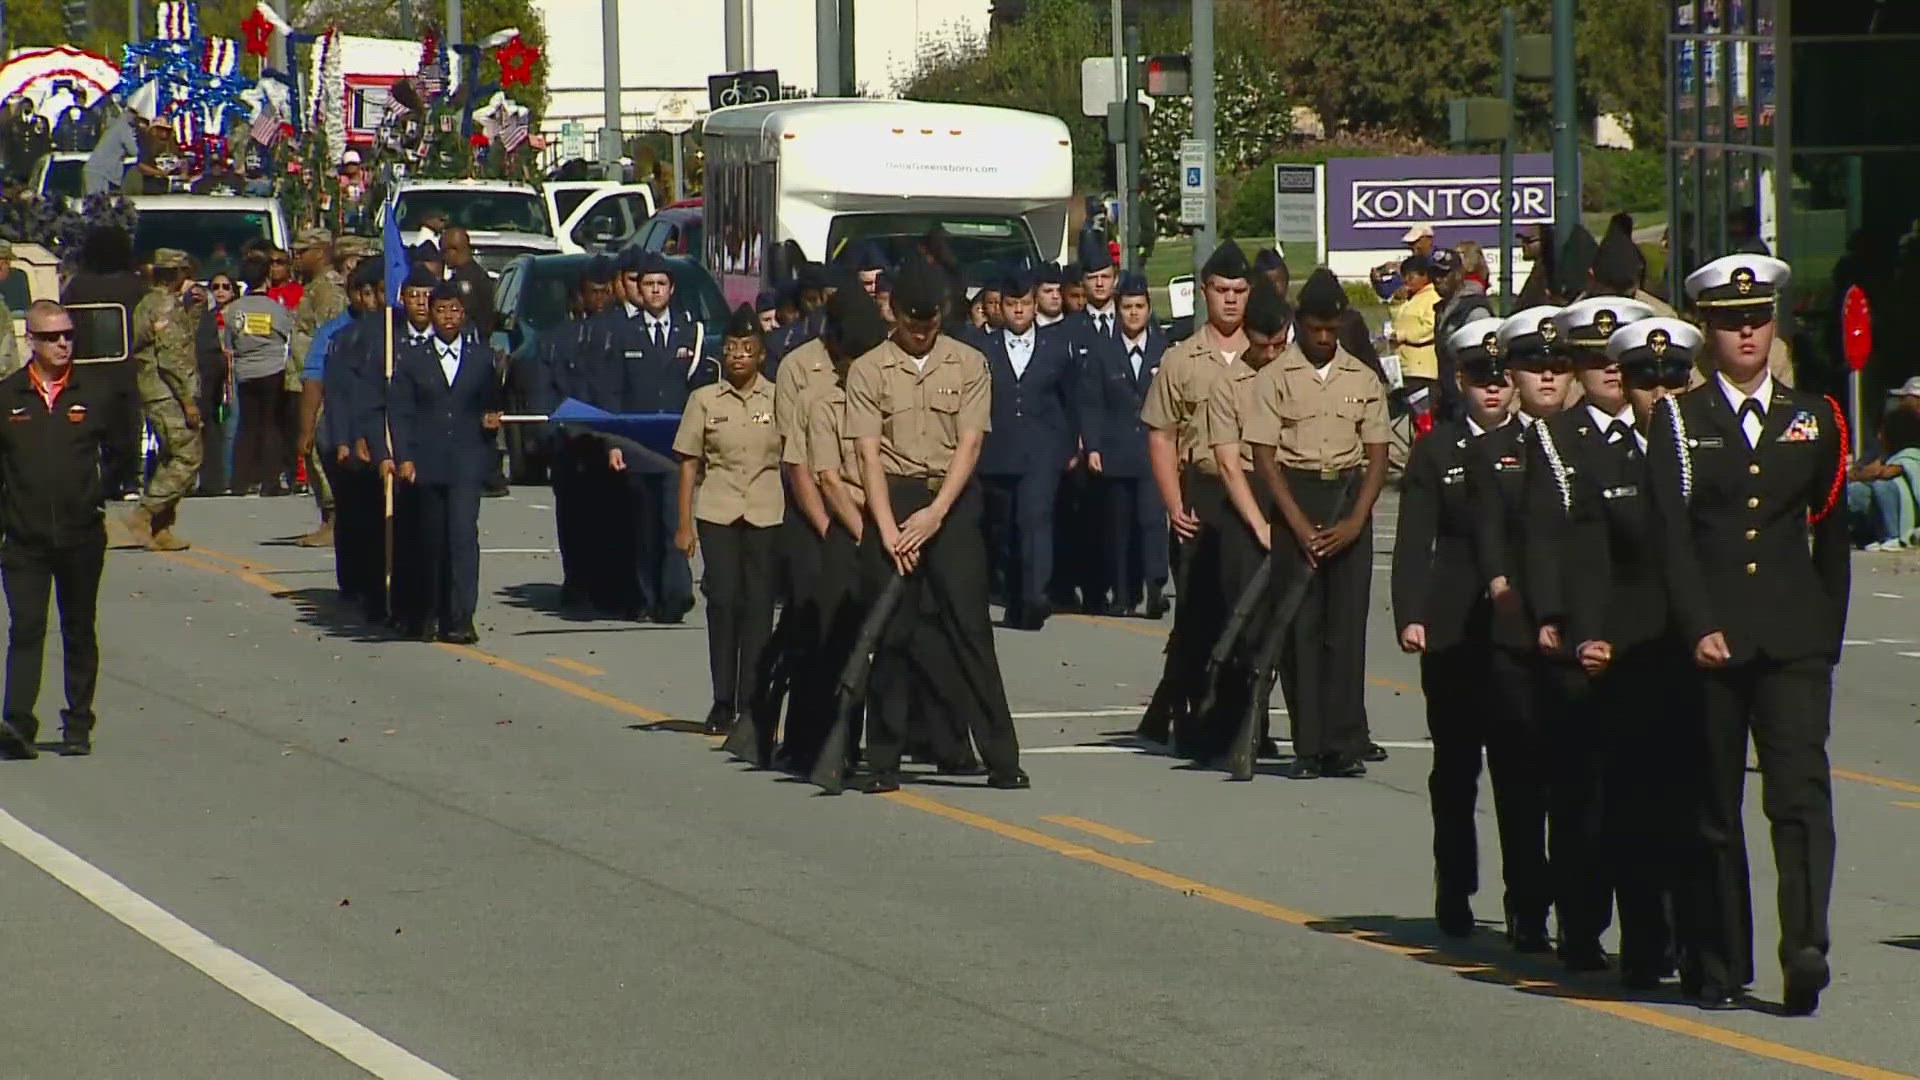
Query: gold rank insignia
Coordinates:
[1657,342]
[1743,280]
[1605,322]
[1546,330]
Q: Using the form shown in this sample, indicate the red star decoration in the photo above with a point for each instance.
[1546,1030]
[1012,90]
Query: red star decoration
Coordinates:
[516,59]
[259,33]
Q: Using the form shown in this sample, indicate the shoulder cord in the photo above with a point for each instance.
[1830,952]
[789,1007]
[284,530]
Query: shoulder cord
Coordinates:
[1680,448]
[1558,467]
[1839,482]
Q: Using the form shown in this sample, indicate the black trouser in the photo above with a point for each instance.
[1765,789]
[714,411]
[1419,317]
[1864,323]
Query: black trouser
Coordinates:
[1240,556]
[359,533]
[738,584]
[1786,706]
[839,605]
[1199,615]
[789,676]
[213,433]
[1639,702]
[662,578]
[1517,758]
[1582,883]
[940,639]
[1020,535]
[73,573]
[1136,536]
[407,596]
[260,451]
[449,545]
[1076,571]
[1324,672]
[570,497]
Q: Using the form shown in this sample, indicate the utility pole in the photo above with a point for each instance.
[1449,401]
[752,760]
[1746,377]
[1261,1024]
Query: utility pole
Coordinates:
[406,20]
[826,48]
[1508,45]
[610,88]
[1203,241]
[738,20]
[1566,145]
[849,86]
[455,28]
[1130,258]
[1122,93]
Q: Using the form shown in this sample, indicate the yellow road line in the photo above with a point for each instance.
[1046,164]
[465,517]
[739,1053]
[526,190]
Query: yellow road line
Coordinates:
[1909,805]
[1088,825]
[1877,781]
[574,666]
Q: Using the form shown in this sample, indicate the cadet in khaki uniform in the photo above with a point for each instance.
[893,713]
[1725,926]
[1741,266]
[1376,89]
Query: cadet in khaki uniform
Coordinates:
[729,446]
[163,326]
[917,407]
[1319,436]
[1180,453]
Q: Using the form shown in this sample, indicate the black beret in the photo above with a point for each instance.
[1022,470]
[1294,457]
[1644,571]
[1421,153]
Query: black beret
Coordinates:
[424,251]
[421,278]
[1019,283]
[1322,297]
[1268,259]
[920,293]
[768,300]
[1227,261]
[368,272]
[1051,274]
[1131,283]
[1071,273]
[448,290]
[1093,253]
[653,262]
[1267,310]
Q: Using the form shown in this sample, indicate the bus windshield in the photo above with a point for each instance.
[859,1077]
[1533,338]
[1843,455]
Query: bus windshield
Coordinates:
[479,209]
[982,243]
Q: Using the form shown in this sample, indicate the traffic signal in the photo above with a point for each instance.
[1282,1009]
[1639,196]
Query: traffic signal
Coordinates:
[1143,230]
[1169,76]
[78,15]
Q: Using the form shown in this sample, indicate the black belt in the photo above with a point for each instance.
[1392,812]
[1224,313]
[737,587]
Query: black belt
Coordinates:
[1323,474]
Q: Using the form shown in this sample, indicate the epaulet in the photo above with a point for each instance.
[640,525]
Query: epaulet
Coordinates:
[1543,431]
[1681,448]
[1838,485]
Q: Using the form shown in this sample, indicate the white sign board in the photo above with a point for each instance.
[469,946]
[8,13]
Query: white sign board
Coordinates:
[573,140]
[1298,206]
[1180,297]
[1195,177]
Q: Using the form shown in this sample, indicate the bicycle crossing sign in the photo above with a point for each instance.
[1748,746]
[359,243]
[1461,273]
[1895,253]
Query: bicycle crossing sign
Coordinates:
[742,88]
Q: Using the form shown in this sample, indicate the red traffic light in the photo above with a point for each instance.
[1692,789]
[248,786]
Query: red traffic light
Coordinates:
[1169,76]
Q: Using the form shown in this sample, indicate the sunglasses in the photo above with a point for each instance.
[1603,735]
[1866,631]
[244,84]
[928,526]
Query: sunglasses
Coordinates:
[221,286]
[51,336]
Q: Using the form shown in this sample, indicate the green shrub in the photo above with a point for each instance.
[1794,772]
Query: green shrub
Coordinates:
[1634,181]
[1246,201]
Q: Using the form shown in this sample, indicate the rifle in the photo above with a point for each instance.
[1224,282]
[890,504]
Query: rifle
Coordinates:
[830,767]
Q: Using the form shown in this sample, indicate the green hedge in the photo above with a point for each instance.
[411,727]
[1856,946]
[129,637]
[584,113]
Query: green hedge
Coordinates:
[1634,181]
[1247,210]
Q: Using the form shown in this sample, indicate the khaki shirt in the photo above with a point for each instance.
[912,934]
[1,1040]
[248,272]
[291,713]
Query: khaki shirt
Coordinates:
[163,329]
[732,435]
[829,448]
[804,374]
[918,413]
[1228,408]
[1315,424]
[1178,398]
[1413,324]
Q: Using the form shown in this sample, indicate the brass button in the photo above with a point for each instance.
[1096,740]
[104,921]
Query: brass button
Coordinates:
[1753,534]
[1753,502]
[1754,468]
[1753,568]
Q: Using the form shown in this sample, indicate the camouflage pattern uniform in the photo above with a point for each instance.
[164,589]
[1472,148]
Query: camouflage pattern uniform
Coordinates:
[169,379]
[11,356]
[323,298]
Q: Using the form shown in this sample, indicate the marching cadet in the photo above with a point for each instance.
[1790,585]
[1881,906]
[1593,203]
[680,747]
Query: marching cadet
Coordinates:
[1050,306]
[918,409]
[1113,389]
[1073,289]
[1187,476]
[408,599]
[345,380]
[573,456]
[162,330]
[444,404]
[1319,436]
[1746,473]
[1521,702]
[323,298]
[1078,580]
[1597,595]
[730,506]
[1029,446]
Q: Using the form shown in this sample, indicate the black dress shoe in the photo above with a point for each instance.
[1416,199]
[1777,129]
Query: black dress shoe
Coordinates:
[1303,769]
[1009,781]
[1528,935]
[1640,977]
[76,744]
[1156,602]
[464,636]
[719,720]
[16,746]
[874,783]
[1583,956]
[961,768]
[1454,914]
[1267,749]
[1343,767]
[1714,998]
[1806,975]
[1117,610]
[1374,753]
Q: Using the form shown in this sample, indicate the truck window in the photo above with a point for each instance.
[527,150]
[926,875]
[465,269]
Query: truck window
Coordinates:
[480,209]
[212,237]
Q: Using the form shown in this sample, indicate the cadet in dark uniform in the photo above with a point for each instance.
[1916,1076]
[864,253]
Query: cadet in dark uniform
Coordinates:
[1319,436]
[918,408]
[1521,703]
[1032,441]
[1746,473]
[1596,590]
[1113,388]
[1442,614]
[351,384]
[444,405]
[730,450]
[1180,454]
[572,457]
[408,609]
[1079,571]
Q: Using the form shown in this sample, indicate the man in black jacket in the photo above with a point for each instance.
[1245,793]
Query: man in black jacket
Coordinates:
[59,422]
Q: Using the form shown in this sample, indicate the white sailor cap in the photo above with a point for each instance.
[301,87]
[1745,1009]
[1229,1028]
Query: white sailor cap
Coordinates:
[1477,341]
[1529,331]
[1657,340]
[1738,280]
[1587,324]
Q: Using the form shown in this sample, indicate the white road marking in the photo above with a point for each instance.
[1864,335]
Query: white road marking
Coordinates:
[1126,748]
[1089,713]
[279,998]
[538,506]
[1913,655]
[1894,640]
[516,551]
[1889,596]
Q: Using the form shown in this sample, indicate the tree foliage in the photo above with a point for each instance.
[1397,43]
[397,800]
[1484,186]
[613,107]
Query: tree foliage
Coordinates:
[1253,117]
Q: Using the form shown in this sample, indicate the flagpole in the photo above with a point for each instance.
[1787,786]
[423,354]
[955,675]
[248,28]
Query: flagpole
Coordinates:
[386,479]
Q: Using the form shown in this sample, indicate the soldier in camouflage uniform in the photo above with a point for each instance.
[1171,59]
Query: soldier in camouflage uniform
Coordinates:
[10,354]
[323,298]
[163,326]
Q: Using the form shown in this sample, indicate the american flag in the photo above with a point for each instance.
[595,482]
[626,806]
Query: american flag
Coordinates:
[513,132]
[266,125]
[432,78]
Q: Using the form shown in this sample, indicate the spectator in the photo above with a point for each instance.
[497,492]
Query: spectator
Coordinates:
[217,425]
[1412,337]
[1882,490]
[1419,240]
[280,283]
[1536,247]
[1463,299]
[106,166]
[258,334]
[1473,264]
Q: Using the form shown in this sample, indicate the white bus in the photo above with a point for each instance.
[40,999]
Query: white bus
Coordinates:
[824,173]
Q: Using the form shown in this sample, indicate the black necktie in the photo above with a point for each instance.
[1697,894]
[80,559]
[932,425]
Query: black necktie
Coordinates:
[1618,430]
[653,332]
[1105,327]
[1135,357]
[1752,407]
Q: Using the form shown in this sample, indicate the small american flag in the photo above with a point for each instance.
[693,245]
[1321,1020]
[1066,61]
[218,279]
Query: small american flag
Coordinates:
[432,77]
[266,125]
[513,132]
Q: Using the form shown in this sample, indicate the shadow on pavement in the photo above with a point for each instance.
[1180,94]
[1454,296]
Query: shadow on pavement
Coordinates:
[323,610]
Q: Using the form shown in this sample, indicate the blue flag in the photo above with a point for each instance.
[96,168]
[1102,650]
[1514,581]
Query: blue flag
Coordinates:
[394,254]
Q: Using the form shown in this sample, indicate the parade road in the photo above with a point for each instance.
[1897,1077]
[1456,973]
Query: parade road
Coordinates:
[303,850]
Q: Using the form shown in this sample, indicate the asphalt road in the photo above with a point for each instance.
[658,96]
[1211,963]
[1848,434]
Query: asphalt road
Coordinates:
[301,851]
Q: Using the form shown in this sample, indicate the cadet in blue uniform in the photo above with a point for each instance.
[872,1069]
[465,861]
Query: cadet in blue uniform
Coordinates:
[1746,473]
[1113,382]
[1080,569]
[348,381]
[407,602]
[1027,449]
[572,456]
[444,405]
[1597,589]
